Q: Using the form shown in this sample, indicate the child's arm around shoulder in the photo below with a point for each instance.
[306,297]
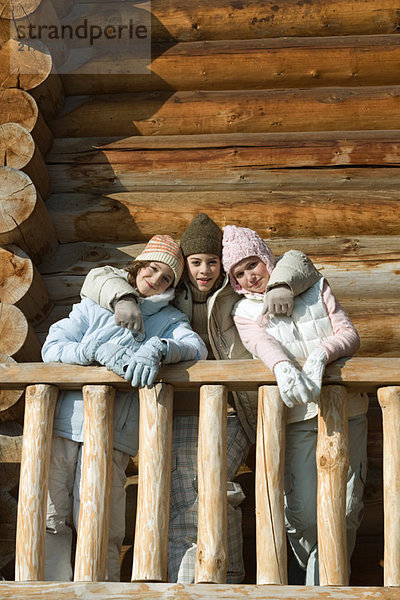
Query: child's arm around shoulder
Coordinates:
[105,286]
[295,270]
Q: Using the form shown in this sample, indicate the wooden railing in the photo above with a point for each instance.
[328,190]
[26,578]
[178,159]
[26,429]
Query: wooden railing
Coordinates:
[215,379]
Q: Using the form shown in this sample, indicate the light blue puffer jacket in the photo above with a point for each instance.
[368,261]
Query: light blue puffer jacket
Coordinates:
[87,321]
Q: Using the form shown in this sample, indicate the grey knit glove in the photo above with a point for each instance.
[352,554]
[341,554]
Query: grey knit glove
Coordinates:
[143,367]
[278,301]
[114,357]
[127,314]
[294,385]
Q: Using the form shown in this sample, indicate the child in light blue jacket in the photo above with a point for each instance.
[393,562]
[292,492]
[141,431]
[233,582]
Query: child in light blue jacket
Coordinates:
[89,336]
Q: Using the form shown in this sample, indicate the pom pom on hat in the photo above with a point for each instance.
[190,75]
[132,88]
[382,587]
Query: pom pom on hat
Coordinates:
[239,243]
[202,236]
[162,248]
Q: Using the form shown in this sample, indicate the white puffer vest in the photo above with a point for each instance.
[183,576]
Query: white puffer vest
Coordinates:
[299,335]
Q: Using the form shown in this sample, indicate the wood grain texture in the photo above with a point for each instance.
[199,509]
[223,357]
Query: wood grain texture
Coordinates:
[17,106]
[270,461]
[221,152]
[301,213]
[22,285]
[24,220]
[167,591]
[367,374]
[17,336]
[97,459]
[24,65]
[19,151]
[332,459]
[389,400]
[32,503]
[14,9]
[155,456]
[207,19]
[212,537]
[233,111]
[272,63]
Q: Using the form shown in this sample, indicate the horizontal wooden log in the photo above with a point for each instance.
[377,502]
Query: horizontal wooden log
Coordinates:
[17,338]
[19,151]
[77,258]
[22,285]
[222,19]
[166,591]
[106,179]
[17,106]
[221,152]
[24,219]
[165,113]
[244,64]
[274,214]
[367,374]
[217,161]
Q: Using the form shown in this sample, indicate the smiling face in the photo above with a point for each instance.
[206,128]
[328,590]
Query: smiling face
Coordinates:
[153,279]
[252,274]
[203,270]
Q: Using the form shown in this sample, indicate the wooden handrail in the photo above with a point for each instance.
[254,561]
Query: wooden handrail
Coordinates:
[366,374]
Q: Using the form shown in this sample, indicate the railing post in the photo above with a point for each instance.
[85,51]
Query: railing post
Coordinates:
[40,402]
[94,510]
[155,456]
[332,465]
[270,458]
[389,400]
[212,541]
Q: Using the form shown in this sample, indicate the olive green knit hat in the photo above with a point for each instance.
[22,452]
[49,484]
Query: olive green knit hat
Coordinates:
[202,236]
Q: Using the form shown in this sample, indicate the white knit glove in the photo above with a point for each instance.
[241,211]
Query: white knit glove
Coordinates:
[278,301]
[314,368]
[294,386]
[128,314]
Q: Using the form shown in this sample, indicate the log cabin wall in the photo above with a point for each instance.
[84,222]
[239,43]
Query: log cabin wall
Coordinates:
[281,116]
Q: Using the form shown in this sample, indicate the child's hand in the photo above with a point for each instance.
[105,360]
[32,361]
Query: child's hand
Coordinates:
[143,367]
[314,368]
[294,386]
[128,315]
[278,301]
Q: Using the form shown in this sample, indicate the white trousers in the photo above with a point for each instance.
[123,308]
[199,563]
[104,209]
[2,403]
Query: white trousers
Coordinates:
[63,509]
[301,490]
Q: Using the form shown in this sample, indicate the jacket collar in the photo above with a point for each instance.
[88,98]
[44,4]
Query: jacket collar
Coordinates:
[151,305]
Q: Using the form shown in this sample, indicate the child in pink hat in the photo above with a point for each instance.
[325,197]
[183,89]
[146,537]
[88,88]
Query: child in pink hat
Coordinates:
[318,331]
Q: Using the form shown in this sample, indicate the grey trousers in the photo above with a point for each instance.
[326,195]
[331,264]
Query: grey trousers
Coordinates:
[301,490]
[63,509]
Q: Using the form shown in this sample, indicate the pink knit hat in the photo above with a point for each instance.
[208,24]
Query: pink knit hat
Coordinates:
[239,243]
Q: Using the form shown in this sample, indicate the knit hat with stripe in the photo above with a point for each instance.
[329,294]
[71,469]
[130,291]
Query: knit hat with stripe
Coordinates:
[162,248]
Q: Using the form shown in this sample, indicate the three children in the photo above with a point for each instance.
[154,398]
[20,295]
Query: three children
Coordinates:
[205,296]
